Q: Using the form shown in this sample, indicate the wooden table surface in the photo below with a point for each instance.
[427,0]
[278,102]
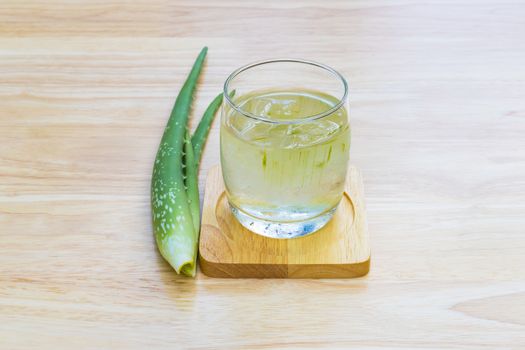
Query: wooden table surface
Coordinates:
[438,114]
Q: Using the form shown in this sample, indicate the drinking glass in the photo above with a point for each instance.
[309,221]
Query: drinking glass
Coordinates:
[285,139]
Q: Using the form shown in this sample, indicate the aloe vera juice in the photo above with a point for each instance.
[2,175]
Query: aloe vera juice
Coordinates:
[289,166]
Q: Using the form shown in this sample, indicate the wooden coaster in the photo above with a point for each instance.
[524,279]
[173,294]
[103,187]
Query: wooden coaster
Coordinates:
[339,250]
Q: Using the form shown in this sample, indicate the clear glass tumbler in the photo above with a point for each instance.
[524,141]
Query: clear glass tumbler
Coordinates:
[285,139]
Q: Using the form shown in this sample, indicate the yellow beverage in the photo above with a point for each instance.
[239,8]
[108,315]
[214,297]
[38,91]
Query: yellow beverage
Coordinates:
[285,166]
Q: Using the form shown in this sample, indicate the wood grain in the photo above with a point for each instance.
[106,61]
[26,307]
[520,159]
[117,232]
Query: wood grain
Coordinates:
[438,117]
[341,249]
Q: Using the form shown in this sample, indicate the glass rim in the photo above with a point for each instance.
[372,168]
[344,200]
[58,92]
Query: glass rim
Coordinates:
[341,101]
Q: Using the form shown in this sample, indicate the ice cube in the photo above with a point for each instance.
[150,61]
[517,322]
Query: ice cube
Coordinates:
[314,132]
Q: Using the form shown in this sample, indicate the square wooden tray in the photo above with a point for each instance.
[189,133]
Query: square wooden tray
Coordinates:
[339,250]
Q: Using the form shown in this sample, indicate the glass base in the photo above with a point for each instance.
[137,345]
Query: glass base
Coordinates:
[291,229]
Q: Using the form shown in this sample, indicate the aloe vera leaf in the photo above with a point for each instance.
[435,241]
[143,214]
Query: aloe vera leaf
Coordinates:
[172,217]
